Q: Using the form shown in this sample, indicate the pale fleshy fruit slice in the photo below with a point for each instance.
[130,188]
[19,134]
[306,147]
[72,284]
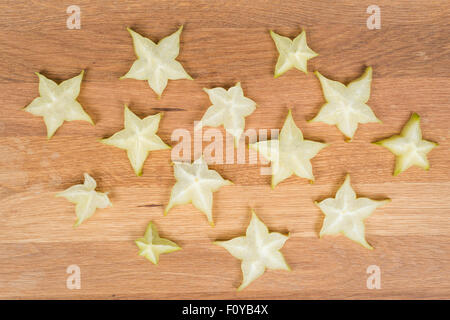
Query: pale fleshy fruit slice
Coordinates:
[409,147]
[229,108]
[57,103]
[85,197]
[156,62]
[152,245]
[292,53]
[138,138]
[195,184]
[290,153]
[346,213]
[258,250]
[346,105]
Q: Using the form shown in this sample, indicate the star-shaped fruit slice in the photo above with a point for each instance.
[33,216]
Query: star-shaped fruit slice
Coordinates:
[258,250]
[290,153]
[138,138]
[57,103]
[151,245]
[156,62]
[409,147]
[346,105]
[292,53]
[195,184]
[346,213]
[229,108]
[85,197]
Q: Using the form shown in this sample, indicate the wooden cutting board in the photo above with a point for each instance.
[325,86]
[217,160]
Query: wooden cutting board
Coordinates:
[223,42]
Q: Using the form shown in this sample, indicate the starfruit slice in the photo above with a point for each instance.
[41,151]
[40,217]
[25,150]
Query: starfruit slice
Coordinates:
[290,154]
[152,245]
[138,138]
[258,250]
[229,108]
[409,147]
[195,184]
[346,105]
[292,53]
[156,62]
[85,197]
[346,213]
[57,103]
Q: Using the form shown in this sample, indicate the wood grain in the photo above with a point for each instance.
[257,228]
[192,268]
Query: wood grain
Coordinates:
[223,42]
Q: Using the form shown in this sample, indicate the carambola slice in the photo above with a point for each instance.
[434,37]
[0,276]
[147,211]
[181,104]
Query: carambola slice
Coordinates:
[345,213]
[156,62]
[258,250]
[409,147]
[57,103]
[152,245]
[85,197]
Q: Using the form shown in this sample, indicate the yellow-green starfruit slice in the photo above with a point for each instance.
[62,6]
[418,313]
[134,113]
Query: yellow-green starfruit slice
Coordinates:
[292,53]
[229,108]
[346,105]
[138,138]
[85,197]
[346,213]
[195,184]
[57,103]
[258,250]
[409,147]
[152,245]
[290,153]
[156,62]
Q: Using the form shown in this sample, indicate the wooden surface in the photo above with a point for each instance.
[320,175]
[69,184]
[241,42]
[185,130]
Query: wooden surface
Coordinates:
[223,42]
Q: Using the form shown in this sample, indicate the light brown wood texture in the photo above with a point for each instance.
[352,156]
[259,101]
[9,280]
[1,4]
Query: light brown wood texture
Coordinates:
[223,42]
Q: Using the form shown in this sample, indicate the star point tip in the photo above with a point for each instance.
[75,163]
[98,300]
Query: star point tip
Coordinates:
[240,288]
[415,116]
